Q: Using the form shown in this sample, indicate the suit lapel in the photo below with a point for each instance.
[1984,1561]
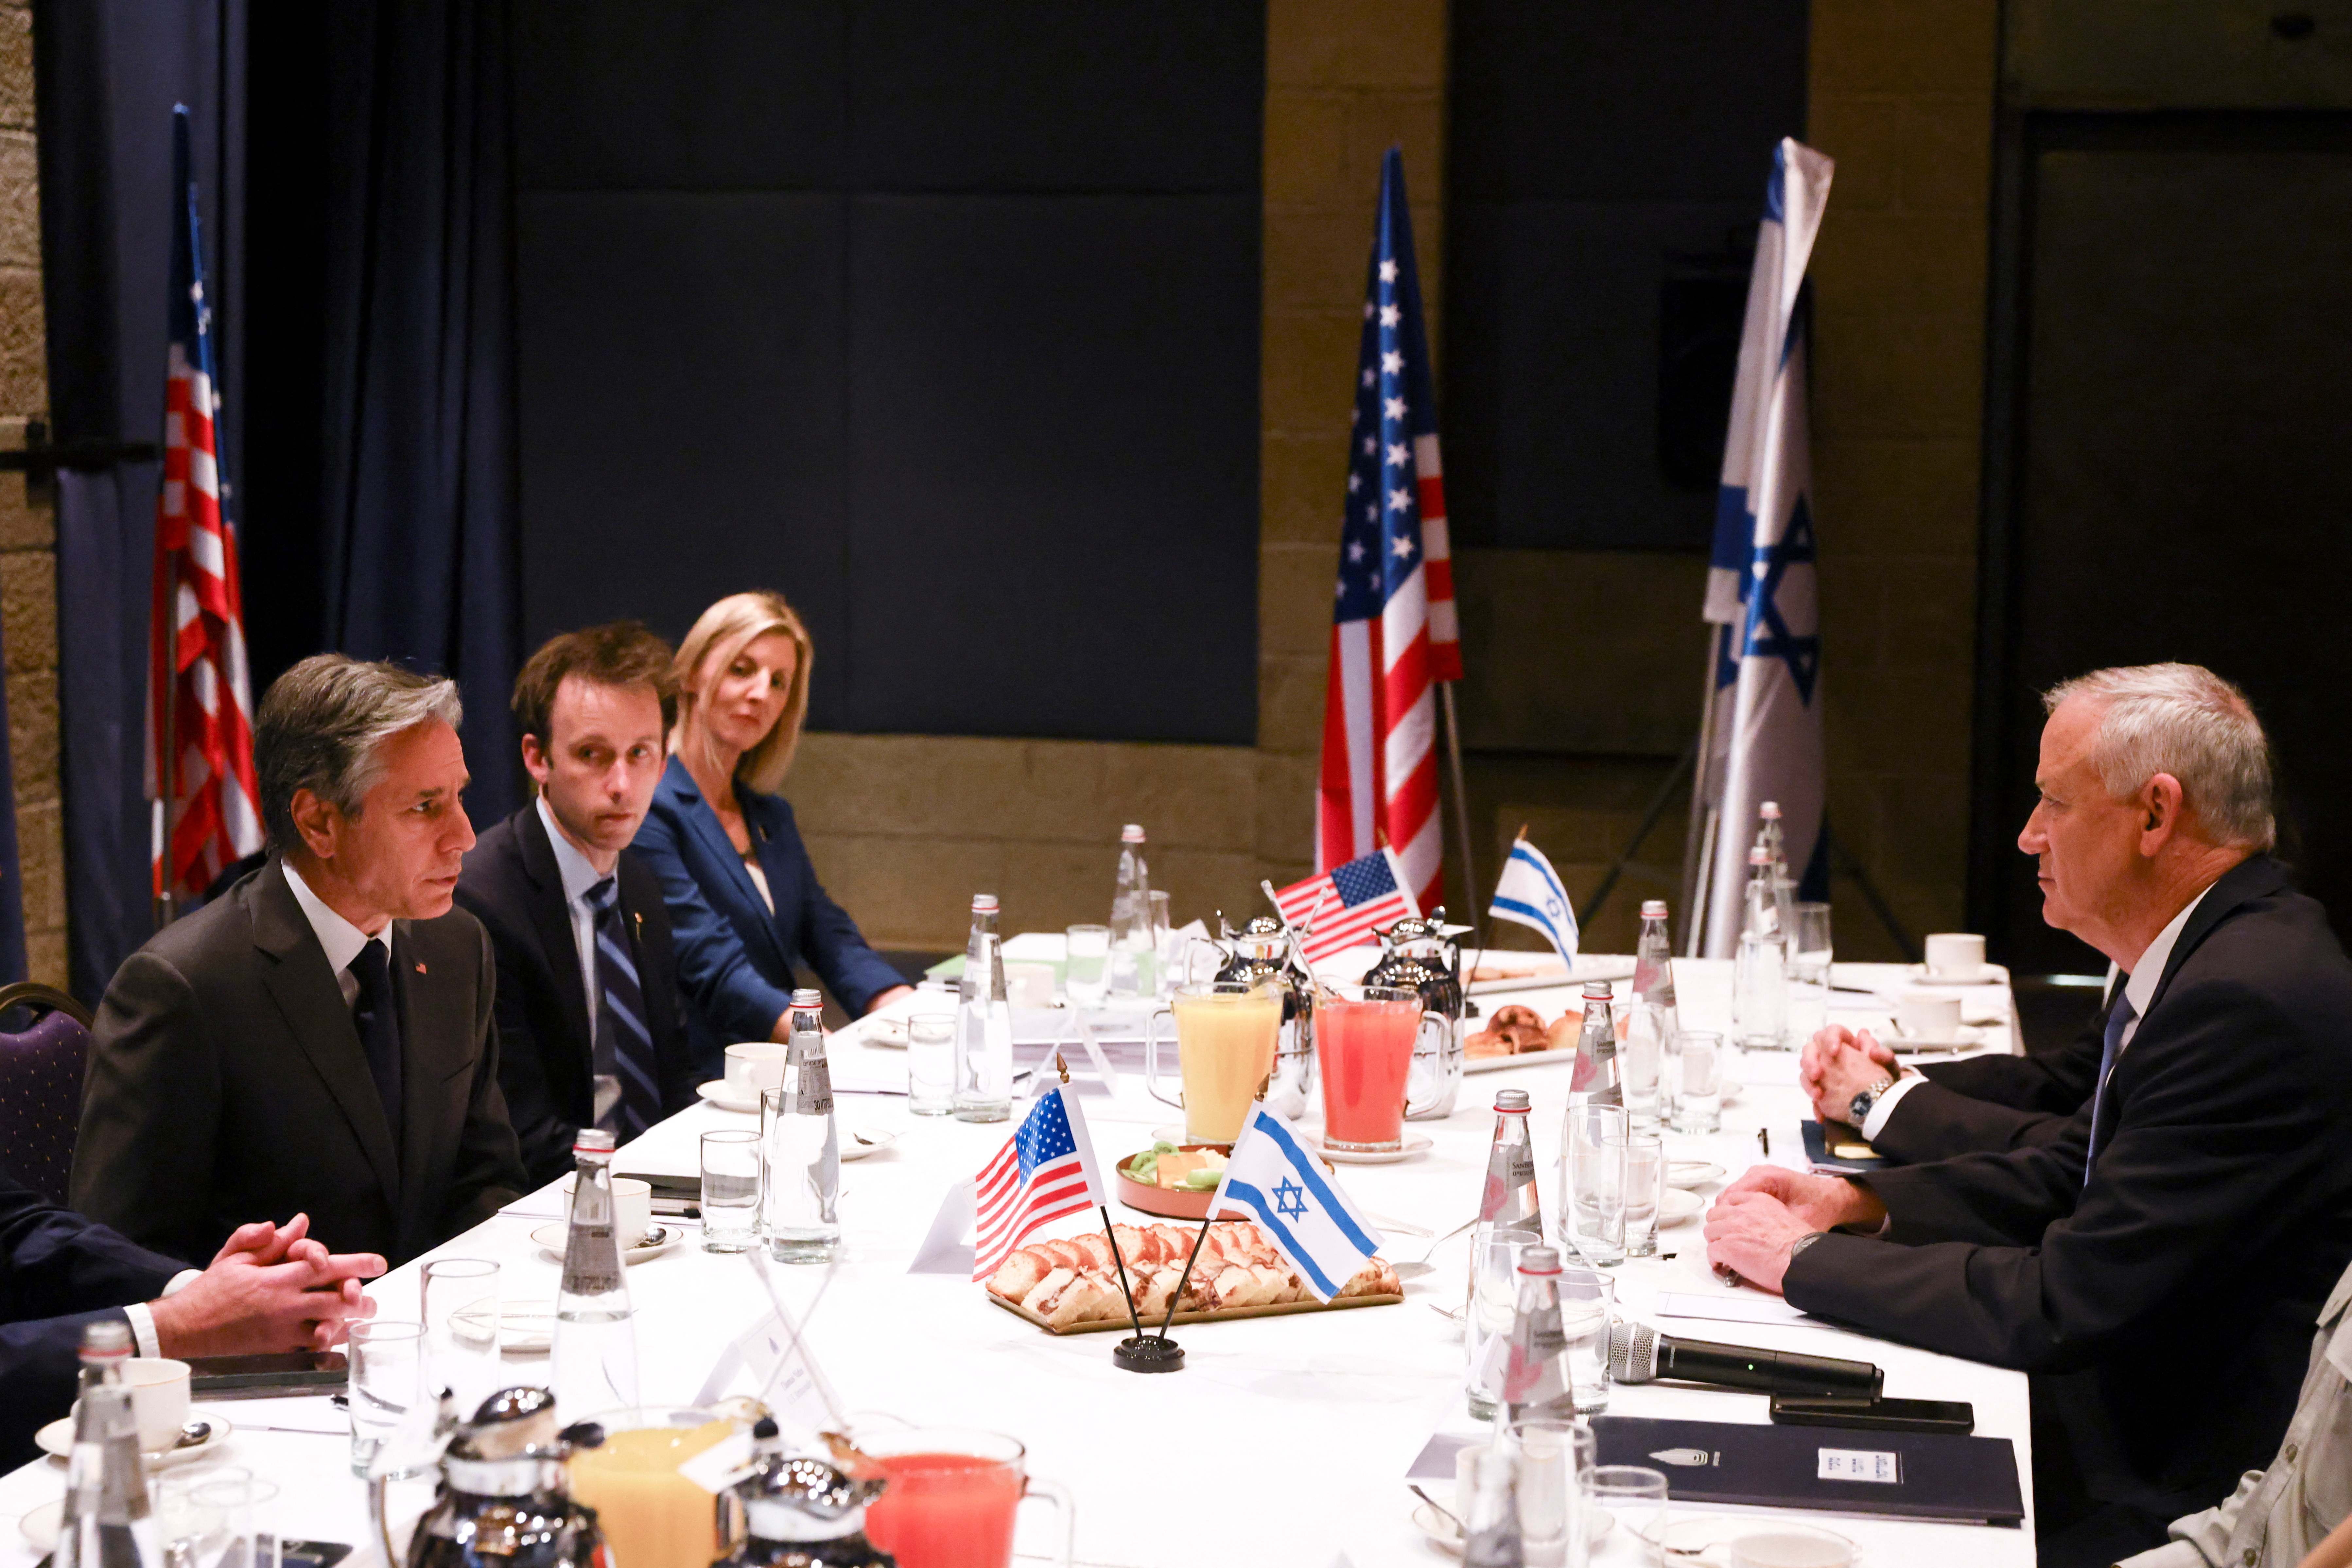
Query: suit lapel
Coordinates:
[550,920]
[703,820]
[311,1000]
[426,1030]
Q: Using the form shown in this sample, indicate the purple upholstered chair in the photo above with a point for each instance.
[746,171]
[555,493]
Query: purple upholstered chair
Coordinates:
[40,1088]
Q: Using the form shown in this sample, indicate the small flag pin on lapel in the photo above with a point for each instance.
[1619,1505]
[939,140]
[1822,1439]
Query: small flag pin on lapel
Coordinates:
[420,969]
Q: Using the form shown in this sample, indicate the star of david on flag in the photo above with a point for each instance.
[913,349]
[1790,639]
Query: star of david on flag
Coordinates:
[1764,721]
[1529,892]
[1271,1178]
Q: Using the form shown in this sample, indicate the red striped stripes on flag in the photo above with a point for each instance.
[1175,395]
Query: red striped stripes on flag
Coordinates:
[1342,907]
[1045,1172]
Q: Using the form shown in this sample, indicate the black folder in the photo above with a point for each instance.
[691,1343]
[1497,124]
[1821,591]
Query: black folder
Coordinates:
[1903,1475]
[1817,1150]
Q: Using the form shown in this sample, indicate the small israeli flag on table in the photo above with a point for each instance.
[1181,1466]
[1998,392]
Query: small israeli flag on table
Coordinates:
[1531,894]
[1271,1178]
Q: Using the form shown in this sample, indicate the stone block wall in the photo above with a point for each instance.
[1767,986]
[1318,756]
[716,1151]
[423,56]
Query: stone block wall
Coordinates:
[29,560]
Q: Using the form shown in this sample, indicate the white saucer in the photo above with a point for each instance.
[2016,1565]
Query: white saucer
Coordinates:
[1676,1206]
[856,1142]
[716,1093]
[1966,1039]
[1447,1535]
[55,1440]
[42,1524]
[1416,1146]
[1991,974]
[1691,1173]
[890,1034]
[551,1237]
[525,1328]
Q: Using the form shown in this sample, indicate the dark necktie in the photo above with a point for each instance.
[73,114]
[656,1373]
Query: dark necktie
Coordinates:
[378,1018]
[2119,1017]
[622,1036]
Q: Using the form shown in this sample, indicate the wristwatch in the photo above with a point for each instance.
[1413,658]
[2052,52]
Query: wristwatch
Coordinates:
[1804,1242]
[1859,1107]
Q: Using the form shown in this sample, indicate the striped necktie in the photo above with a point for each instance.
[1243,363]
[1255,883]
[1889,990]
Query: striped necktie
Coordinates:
[2119,1016]
[622,1036]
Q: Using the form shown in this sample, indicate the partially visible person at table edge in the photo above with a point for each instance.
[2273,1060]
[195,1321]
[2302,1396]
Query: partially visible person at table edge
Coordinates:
[744,903]
[2158,1267]
[317,1038]
[270,1287]
[589,1033]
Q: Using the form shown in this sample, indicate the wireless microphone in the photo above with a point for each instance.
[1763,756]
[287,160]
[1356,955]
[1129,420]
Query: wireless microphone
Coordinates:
[1639,1353]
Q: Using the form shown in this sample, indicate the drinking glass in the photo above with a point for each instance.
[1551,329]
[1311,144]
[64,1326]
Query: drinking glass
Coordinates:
[1592,1184]
[387,1377]
[1588,1299]
[730,1189]
[1637,1496]
[1698,1095]
[247,1508]
[951,1496]
[461,1328]
[190,1532]
[1167,953]
[1640,1060]
[1494,1303]
[930,1059]
[1809,972]
[1645,1180]
[1086,972]
[1365,1036]
[1226,1036]
[1553,1456]
[653,1517]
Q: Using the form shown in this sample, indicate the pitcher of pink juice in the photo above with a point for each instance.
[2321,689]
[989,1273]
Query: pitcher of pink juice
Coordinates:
[1364,1038]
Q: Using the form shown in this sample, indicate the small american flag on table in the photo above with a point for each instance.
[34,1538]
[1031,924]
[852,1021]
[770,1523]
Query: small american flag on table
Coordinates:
[1046,1171]
[1344,904]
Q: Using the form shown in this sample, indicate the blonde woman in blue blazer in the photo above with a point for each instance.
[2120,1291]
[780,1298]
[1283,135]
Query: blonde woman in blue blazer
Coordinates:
[745,906]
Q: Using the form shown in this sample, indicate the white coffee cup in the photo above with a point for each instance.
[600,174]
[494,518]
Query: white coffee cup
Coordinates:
[754,1066]
[1956,955]
[159,1399]
[633,1207]
[1789,1547]
[1927,1016]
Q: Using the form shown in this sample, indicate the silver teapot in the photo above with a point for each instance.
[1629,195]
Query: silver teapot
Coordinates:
[1416,954]
[504,1498]
[1258,954]
[800,1511]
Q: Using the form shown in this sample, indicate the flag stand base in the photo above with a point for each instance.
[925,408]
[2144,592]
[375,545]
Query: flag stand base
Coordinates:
[1147,1352]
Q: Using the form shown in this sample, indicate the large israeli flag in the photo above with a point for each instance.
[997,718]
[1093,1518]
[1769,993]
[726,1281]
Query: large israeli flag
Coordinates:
[1761,589]
[1271,1178]
[1529,892]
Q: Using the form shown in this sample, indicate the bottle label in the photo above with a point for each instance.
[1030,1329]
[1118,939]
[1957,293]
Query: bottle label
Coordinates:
[813,1096]
[591,1261]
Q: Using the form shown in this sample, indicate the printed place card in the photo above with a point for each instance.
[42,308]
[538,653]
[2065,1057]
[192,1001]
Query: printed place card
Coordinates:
[1859,1465]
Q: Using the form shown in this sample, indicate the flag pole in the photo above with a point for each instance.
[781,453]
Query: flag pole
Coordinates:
[1177,1299]
[1461,813]
[1698,831]
[166,767]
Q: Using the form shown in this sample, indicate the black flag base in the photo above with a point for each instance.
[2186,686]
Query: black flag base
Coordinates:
[1147,1352]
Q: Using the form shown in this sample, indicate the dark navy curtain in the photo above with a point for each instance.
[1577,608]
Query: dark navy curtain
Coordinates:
[354,164]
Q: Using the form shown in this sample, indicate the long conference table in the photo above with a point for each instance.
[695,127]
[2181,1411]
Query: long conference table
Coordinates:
[1285,1439]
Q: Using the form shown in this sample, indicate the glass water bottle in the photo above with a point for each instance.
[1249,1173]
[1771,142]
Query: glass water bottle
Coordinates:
[983,1081]
[107,1522]
[594,1351]
[1760,984]
[800,1148]
[1132,942]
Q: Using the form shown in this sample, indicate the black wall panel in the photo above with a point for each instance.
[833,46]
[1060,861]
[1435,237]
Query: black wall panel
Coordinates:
[941,318]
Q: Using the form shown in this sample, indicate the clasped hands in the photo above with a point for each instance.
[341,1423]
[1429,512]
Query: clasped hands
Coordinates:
[1838,1064]
[270,1287]
[1760,1216]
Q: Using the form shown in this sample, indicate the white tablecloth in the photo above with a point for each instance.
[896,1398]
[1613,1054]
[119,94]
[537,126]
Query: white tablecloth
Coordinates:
[1284,1440]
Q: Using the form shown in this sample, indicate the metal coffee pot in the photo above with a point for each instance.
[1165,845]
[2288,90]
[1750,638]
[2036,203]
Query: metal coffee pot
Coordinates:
[800,1511]
[504,1498]
[1258,954]
[1417,954]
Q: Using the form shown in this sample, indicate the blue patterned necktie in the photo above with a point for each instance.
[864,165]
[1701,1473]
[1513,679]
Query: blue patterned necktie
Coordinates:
[2119,1017]
[621,1033]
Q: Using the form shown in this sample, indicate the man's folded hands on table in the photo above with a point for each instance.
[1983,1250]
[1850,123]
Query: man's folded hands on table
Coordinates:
[270,1288]
[1762,1216]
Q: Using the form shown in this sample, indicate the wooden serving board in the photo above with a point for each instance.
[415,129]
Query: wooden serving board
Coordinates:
[1280,1308]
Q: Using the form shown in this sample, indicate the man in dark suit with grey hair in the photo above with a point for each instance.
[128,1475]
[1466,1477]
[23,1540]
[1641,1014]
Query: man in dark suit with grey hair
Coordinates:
[2159,1265]
[318,1038]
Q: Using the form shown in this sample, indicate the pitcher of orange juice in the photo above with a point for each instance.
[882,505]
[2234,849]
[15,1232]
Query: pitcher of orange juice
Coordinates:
[1226,1036]
[653,1517]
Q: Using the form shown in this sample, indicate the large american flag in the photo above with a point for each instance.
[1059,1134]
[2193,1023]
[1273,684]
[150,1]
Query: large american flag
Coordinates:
[1045,1171]
[1394,632]
[208,805]
[1344,905]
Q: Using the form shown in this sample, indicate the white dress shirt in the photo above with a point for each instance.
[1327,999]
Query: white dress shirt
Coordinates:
[339,938]
[577,875]
[2138,990]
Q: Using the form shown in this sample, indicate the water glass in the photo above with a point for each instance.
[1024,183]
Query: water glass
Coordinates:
[1086,974]
[1698,1092]
[1759,992]
[461,1328]
[1809,972]
[931,1060]
[1588,1300]
[387,1378]
[1167,953]
[730,1190]
[246,1508]
[190,1532]
[1592,1184]
[1645,1181]
[1637,1496]
[1553,1456]
[1639,1061]
[1486,1324]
